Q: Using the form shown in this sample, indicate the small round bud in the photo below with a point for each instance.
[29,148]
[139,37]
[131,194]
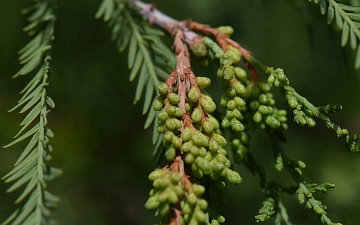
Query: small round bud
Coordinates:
[186,135]
[163,209]
[176,141]
[227,30]
[219,73]
[233,177]
[189,158]
[213,146]
[160,129]
[239,101]
[264,87]
[171,110]
[200,216]
[173,98]
[203,165]
[236,125]
[152,203]
[272,122]
[178,112]
[263,109]
[229,114]
[163,116]
[237,114]
[191,199]
[292,101]
[193,95]
[219,139]
[228,72]
[186,146]
[255,92]
[196,116]
[168,136]
[170,154]
[271,78]
[208,127]
[158,104]
[163,89]
[203,82]
[198,189]
[231,105]
[175,178]
[240,73]
[263,99]
[231,92]
[254,105]
[239,88]
[208,105]
[155,174]
[225,123]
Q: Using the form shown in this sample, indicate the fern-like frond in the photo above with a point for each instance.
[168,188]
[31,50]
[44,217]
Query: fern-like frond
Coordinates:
[30,168]
[347,19]
[149,59]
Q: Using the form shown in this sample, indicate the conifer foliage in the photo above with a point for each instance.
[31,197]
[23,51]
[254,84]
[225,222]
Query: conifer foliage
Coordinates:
[193,134]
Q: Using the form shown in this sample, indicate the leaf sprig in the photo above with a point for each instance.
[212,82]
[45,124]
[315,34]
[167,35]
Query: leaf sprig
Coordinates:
[30,167]
[347,19]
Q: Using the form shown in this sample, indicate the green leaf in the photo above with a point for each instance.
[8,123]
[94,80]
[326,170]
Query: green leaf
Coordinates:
[132,51]
[123,40]
[330,14]
[138,62]
[32,172]
[354,16]
[50,102]
[148,96]
[143,78]
[357,60]
[150,118]
[27,208]
[106,9]
[24,136]
[161,73]
[353,40]
[32,102]
[20,170]
[339,20]
[52,173]
[28,148]
[345,35]
[27,190]
[323,6]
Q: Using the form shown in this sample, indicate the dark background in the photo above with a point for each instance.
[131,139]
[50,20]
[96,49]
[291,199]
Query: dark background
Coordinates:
[101,145]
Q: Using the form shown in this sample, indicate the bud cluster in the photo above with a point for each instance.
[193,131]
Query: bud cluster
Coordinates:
[240,145]
[166,191]
[267,210]
[193,206]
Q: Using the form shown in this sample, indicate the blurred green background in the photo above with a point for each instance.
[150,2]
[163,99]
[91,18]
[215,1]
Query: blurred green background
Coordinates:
[101,145]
